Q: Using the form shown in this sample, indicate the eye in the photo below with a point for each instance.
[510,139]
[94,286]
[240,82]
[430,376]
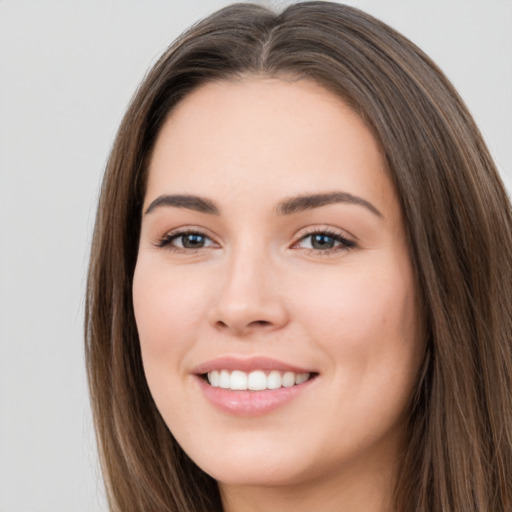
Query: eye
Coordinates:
[325,241]
[186,240]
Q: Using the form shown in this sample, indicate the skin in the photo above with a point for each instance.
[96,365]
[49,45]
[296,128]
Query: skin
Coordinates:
[258,287]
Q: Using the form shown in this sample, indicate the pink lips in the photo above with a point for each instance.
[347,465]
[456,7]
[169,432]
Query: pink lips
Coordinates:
[249,403]
[247,365]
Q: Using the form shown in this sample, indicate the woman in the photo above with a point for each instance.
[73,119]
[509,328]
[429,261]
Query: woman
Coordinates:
[299,291]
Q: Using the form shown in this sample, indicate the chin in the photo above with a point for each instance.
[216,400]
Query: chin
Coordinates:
[252,475]
[252,466]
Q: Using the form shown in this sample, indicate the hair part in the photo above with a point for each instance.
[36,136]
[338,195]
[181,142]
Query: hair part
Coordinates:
[458,451]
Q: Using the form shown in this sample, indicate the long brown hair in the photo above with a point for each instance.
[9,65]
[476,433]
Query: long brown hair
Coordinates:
[458,451]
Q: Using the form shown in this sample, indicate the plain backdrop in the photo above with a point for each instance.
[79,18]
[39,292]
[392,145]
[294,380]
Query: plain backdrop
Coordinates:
[67,72]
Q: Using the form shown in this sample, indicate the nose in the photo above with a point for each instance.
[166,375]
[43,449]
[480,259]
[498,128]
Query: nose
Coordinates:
[250,299]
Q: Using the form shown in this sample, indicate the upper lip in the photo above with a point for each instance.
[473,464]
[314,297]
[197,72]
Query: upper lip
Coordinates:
[247,365]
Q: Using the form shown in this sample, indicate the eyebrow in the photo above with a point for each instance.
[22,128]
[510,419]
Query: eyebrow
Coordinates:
[198,204]
[286,207]
[308,202]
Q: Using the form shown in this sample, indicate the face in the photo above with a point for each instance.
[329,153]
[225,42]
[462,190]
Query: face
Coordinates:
[273,292]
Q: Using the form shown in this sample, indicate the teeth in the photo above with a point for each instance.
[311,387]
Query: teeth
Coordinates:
[257,380]
[288,379]
[214,378]
[224,379]
[238,380]
[301,377]
[274,380]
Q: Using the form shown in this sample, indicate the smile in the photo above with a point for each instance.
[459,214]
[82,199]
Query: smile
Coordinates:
[252,386]
[257,380]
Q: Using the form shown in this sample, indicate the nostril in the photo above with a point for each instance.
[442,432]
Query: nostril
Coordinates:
[221,324]
[260,322]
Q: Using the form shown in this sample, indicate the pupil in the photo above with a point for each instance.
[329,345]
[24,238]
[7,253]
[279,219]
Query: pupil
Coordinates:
[193,241]
[322,242]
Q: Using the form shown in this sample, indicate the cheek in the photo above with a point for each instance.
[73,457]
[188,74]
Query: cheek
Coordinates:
[366,322]
[350,302]
[168,306]
[366,325]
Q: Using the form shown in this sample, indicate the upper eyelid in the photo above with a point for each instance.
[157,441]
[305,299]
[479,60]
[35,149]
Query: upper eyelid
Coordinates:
[311,230]
[183,230]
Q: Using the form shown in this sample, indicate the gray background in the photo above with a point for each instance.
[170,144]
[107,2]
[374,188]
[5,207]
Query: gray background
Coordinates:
[67,71]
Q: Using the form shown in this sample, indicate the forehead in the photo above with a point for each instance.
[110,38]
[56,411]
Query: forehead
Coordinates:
[270,137]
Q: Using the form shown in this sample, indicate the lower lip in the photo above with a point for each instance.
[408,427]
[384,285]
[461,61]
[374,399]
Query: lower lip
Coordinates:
[251,403]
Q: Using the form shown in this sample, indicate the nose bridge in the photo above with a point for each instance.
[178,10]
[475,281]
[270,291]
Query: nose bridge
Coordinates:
[248,297]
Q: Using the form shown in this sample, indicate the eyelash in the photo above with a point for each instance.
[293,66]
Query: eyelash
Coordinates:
[166,241]
[345,244]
